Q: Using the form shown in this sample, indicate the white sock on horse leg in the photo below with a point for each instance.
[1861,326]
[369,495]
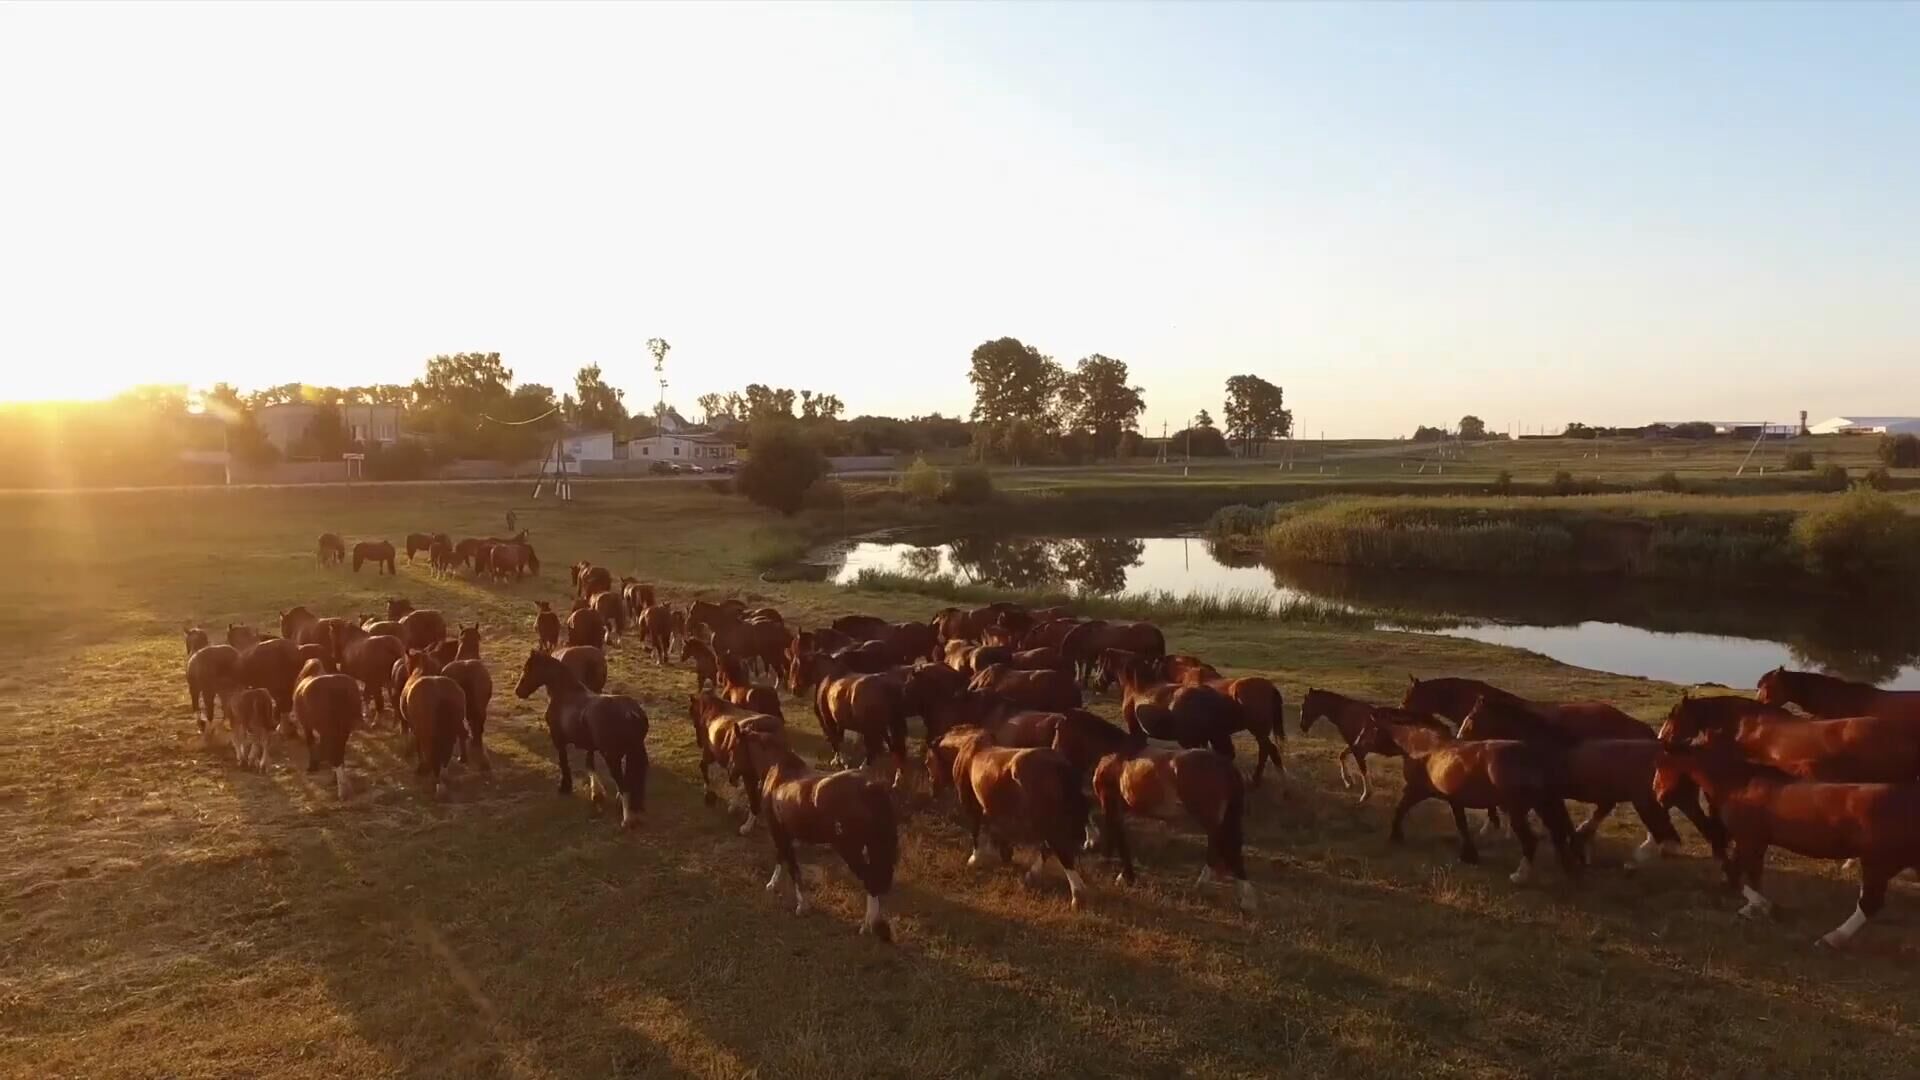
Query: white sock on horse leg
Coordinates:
[340,781]
[873,914]
[1757,904]
[1522,875]
[1076,889]
[977,859]
[1247,900]
[1648,850]
[779,876]
[1844,932]
[746,827]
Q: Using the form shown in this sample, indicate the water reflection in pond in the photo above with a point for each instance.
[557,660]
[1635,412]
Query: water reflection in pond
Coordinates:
[1659,631]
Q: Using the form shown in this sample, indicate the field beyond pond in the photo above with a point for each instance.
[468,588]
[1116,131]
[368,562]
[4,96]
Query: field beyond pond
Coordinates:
[164,914]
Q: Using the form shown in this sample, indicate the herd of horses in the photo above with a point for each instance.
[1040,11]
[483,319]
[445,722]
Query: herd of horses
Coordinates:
[1000,692]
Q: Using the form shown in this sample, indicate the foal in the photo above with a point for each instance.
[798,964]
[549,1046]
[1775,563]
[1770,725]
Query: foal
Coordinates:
[1350,717]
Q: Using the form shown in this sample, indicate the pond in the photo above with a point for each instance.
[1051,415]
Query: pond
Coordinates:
[1654,630]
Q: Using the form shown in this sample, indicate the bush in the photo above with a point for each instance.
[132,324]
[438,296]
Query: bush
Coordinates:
[1833,478]
[921,480]
[407,459]
[1563,483]
[1668,481]
[969,485]
[1879,479]
[1863,540]
[785,463]
[1899,451]
[1798,461]
[1503,483]
[826,494]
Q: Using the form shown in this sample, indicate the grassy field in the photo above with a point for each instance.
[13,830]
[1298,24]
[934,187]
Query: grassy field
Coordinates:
[163,914]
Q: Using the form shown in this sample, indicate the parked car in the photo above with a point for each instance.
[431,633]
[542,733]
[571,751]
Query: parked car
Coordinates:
[727,467]
[690,467]
[663,468]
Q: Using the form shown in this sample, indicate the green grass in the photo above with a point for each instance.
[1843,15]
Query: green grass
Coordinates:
[164,915]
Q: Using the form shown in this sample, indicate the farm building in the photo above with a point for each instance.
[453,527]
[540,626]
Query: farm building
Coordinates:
[588,445]
[699,449]
[1867,425]
[283,424]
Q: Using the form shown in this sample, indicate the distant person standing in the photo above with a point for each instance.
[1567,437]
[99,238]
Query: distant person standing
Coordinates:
[513,523]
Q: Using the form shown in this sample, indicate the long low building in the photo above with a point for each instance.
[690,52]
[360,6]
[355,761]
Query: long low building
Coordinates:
[1867,425]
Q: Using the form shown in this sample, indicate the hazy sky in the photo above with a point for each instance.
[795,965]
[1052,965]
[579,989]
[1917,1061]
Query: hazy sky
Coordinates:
[1399,213]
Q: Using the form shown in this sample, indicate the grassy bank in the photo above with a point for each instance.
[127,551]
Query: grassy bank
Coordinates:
[163,914]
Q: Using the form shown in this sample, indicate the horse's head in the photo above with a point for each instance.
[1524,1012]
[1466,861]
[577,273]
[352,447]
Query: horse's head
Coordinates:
[1317,705]
[470,642]
[1772,688]
[398,607]
[535,672]
[541,607]
[1418,697]
[196,639]
[1109,667]
[1689,718]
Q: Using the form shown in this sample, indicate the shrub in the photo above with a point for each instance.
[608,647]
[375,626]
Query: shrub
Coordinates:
[826,494]
[769,548]
[1863,540]
[407,459]
[1879,479]
[969,485]
[1667,481]
[1563,483]
[784,465]
[1899,451]
[921,480]
[1503,483]
[1833,478]
[1798,461]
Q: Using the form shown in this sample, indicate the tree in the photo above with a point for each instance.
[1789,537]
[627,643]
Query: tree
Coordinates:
[1472,428]
[1096,399]
[712,406]
[325,437]
[1423,433]
[783,465]
[1202,420]
[1206,441]
[596,406]
[1255,412]
[1899,451]
[243,438]
[1014,381]
[765,404]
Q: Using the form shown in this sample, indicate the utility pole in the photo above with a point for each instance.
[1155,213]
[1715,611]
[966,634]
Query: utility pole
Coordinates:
[658,347]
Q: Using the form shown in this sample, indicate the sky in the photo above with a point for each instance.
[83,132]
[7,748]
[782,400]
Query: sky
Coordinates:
[1401,214]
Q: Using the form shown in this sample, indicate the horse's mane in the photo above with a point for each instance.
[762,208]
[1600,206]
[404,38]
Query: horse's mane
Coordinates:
[1398,717]
[1822,681]
[1522,717]
[555,670]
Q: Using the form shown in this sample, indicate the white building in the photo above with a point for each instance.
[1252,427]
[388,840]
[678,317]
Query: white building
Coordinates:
[698,449]
[588,445]
[1867,425]
[285,423]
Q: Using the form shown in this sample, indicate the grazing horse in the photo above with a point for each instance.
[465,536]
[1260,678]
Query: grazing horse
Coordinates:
[655,627]
[1858,749]
[1163,783]
[718,727]
[333,550]
[612,724]
[1020,796]
[1454,698]
[546,624]
[370,660]
[1350,717]
[476,682]
[209,669]
[1603,772]
[326,707]
[1192,716]
[1830,698]
[418,542]
[440,557]
[1044,690]
[1878,824]
[250,723]
[613,613]
[847,810]
[436,711]
[1257,696]
[379,553]
[1085,644]
[586,627]
[1489,774]
[953,623]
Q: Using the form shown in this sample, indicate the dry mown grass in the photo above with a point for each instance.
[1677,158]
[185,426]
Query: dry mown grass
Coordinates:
[164,914]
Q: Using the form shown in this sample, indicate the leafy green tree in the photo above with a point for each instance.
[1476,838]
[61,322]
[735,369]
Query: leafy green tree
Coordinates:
[1255,412]
[595,405]
[1096,399]
[325,437]
[784,463]
[1014,381]
[1472,428]
[1202,420]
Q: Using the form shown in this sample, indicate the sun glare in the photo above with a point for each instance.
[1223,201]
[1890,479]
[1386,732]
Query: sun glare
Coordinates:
[24,383]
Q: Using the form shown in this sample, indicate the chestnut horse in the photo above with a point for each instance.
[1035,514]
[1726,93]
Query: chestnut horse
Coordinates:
[656,630]
[718,727]
[953,623]
[370,660]
[1266,710]
[586,627]
[1859,749]
[706,662]
[250,723]
[274,666]
[589,579]
[613,613]
[209,669]
[1878,824]
[612,724]
[1350,717]
[379,553]
[862,628]
[1828,697]
[1486,775]
[588,664]
[1454,698]
[639,595]
[967,658]
[848,811]
[418,542]
[1047,690]
[1044,658]
[873,706]
[1084,644]
[1020,796]
[1162,784]
[546,624]
[327,709]
[436,711]
[1195,715]
[420,628]
[333,550]
[734,686]
[476,682]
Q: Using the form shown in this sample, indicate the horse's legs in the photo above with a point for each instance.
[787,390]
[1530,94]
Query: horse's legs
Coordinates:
[1874,875]
[1063,855]
[1491,827]
[976,817]
[785,867]
[1222,743]
[633,791]
[1346,782]
[1468,853]
[560,754]
[1708,825]
[1117,843]
[1409,798]
[1366,783]
[1749,860]
[1661,837]
[708,796]
[1517,815]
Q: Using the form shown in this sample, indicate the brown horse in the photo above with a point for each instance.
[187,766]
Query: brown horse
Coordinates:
[370,660]
[585,626]
[612,724]
[250,723]
[1350,717]
[476,682]
[848,811]
[1045,690]
[589,579]
[1019,796]
[874,706]
[418,542]
[760,641]
[734,686]
[1265,708]
[1049,634]
[950,624]
[639,595]
[1164,783]
[209,669]
[1179,667]
[1454,698]
[1878,824]
[546,624]
[468,551]
[1831,698]
[1045,658]
[1196,715]
[333,550]
[420,629]
[326,708]
[706,662]
[612,612]
[1490,774]
[274,666]
[375,626]
[1084,644]
[968,659]
[1859,749]
[912,641]
[379,553]
[588,664]
[862,628]
[436,711]
[656,630]
[440,558]
[1602,772]
[718,727]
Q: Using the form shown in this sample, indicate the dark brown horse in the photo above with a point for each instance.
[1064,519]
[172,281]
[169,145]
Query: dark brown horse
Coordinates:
[419,628]
[440,558]
[951,624]
[476,682]
[417,542]
[862,628]
[546,624]
[1350,717]
[1193,716]
[1019,796]
[370,660]
[1859,749]
[1878,824]
[588,664]
[612,724]
[589,579]
[967,658]
[1257,695]
[379,553]
[1489,774]
[274,666]
[1048,634]
[326,708]
[1828,697]
[250,723]
[848,811]
[1165,784]
[706,662]
[436,712]
[874,706]
[333,550]
[586,627]
[1453,698]
[656,630]
[613,613]
[718,728]
[210,668]
[376,626]
[1084,644]
[1045,658]
[639,595]
[1045,690]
